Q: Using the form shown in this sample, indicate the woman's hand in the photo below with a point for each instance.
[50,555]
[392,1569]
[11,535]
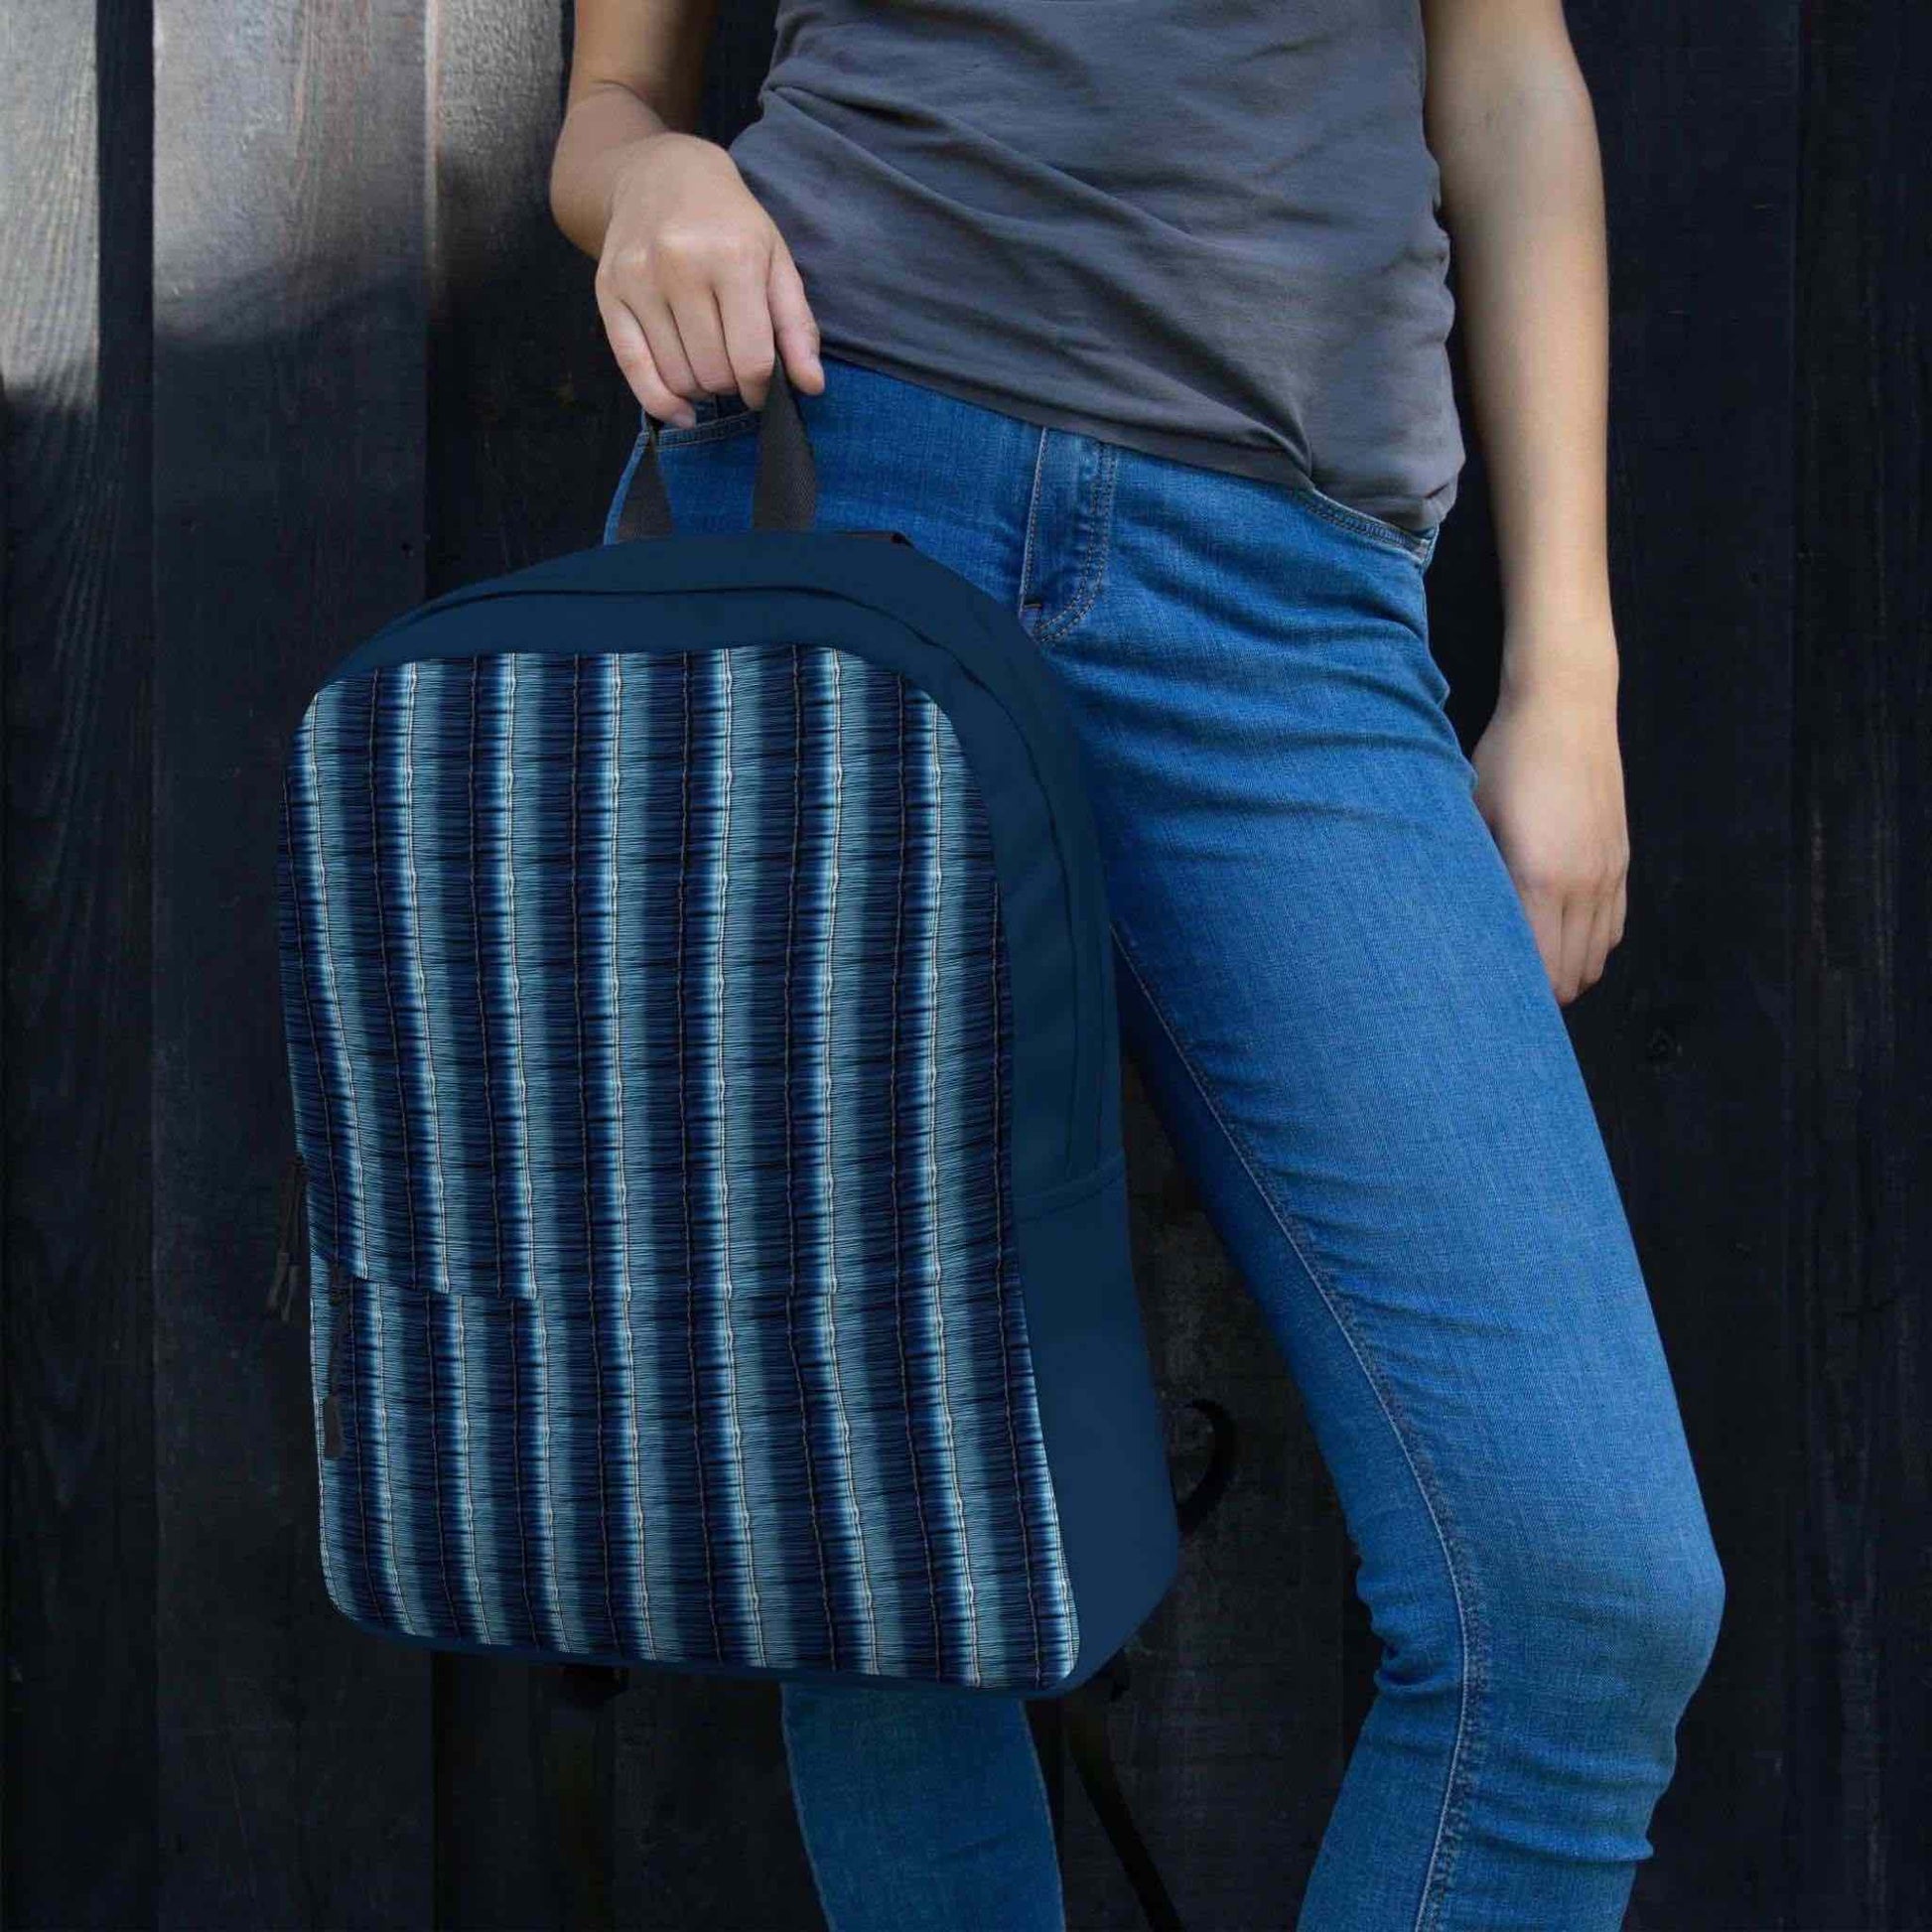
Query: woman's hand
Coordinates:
[697,289]
[1550,787]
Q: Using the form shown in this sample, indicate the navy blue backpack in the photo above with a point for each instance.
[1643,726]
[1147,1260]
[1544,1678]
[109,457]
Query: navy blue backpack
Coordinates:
[709,1198]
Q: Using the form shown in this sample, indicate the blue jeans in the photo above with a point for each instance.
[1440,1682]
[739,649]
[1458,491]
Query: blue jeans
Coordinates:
[1331,989]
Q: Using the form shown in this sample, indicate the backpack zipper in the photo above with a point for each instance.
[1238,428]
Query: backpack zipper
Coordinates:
[332,1400]
[291,1274]
[291,1280]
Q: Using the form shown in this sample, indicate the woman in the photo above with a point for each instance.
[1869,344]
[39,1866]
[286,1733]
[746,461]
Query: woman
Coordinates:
[1133,313]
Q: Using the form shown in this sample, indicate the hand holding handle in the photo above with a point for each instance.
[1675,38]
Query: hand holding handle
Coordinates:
[785,492]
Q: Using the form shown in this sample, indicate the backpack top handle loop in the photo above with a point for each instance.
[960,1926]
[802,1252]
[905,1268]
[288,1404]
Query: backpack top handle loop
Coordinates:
[785,492]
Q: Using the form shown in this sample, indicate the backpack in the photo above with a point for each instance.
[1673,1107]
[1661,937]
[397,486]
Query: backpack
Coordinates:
[709,1195]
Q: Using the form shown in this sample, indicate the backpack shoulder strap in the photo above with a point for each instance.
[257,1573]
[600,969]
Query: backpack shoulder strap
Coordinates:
[1083,1712]
[574,1755]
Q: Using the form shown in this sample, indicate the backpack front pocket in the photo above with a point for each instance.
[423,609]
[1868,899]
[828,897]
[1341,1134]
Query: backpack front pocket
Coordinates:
[465,1473]
[671,1476]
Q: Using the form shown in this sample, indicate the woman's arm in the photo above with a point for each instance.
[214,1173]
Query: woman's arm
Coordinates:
[697,289]
[1510,123]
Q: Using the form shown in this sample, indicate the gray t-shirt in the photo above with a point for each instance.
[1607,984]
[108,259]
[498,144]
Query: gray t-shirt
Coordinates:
[1204,228]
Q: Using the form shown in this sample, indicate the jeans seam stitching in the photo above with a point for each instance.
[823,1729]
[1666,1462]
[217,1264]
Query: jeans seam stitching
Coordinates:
[1094,565]
[1033,519]
[1342,518]
[1093,559]
[1464,1758]
[738,423]
[1345,518]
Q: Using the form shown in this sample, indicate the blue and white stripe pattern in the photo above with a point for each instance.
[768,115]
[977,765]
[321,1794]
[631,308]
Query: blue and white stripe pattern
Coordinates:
[649,1028]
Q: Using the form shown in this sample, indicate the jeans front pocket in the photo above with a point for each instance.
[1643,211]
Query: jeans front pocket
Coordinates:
[718,416]
[709,492]
[1418,545]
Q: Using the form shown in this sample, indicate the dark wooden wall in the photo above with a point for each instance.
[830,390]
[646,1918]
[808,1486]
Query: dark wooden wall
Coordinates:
[290,342]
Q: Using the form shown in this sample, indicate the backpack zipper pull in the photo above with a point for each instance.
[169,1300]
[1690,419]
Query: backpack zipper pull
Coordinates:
[291,1240]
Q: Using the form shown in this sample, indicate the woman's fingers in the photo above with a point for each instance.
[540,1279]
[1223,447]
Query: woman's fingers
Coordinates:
[703,336]
[1544,910]
[1592,921]
[1573,934]
[664,330]
[746,317]
[1581,959]
[1603,934]
[713,331]
[639,361]
[1562,968]
[795,327]
[699,293]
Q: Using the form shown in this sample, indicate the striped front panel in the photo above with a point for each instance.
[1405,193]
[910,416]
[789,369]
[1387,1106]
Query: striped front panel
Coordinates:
[650,1027]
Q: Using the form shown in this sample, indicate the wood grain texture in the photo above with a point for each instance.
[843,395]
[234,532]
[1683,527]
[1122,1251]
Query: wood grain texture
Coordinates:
[1856,1690]
[1688,1046]
[289,460]
[80,1774]
[529,419]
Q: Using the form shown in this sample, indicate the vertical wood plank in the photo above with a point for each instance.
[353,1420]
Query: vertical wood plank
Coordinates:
[1689,1051]
[80,1777]
[529,418]
[1857,1690]
[288,371]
